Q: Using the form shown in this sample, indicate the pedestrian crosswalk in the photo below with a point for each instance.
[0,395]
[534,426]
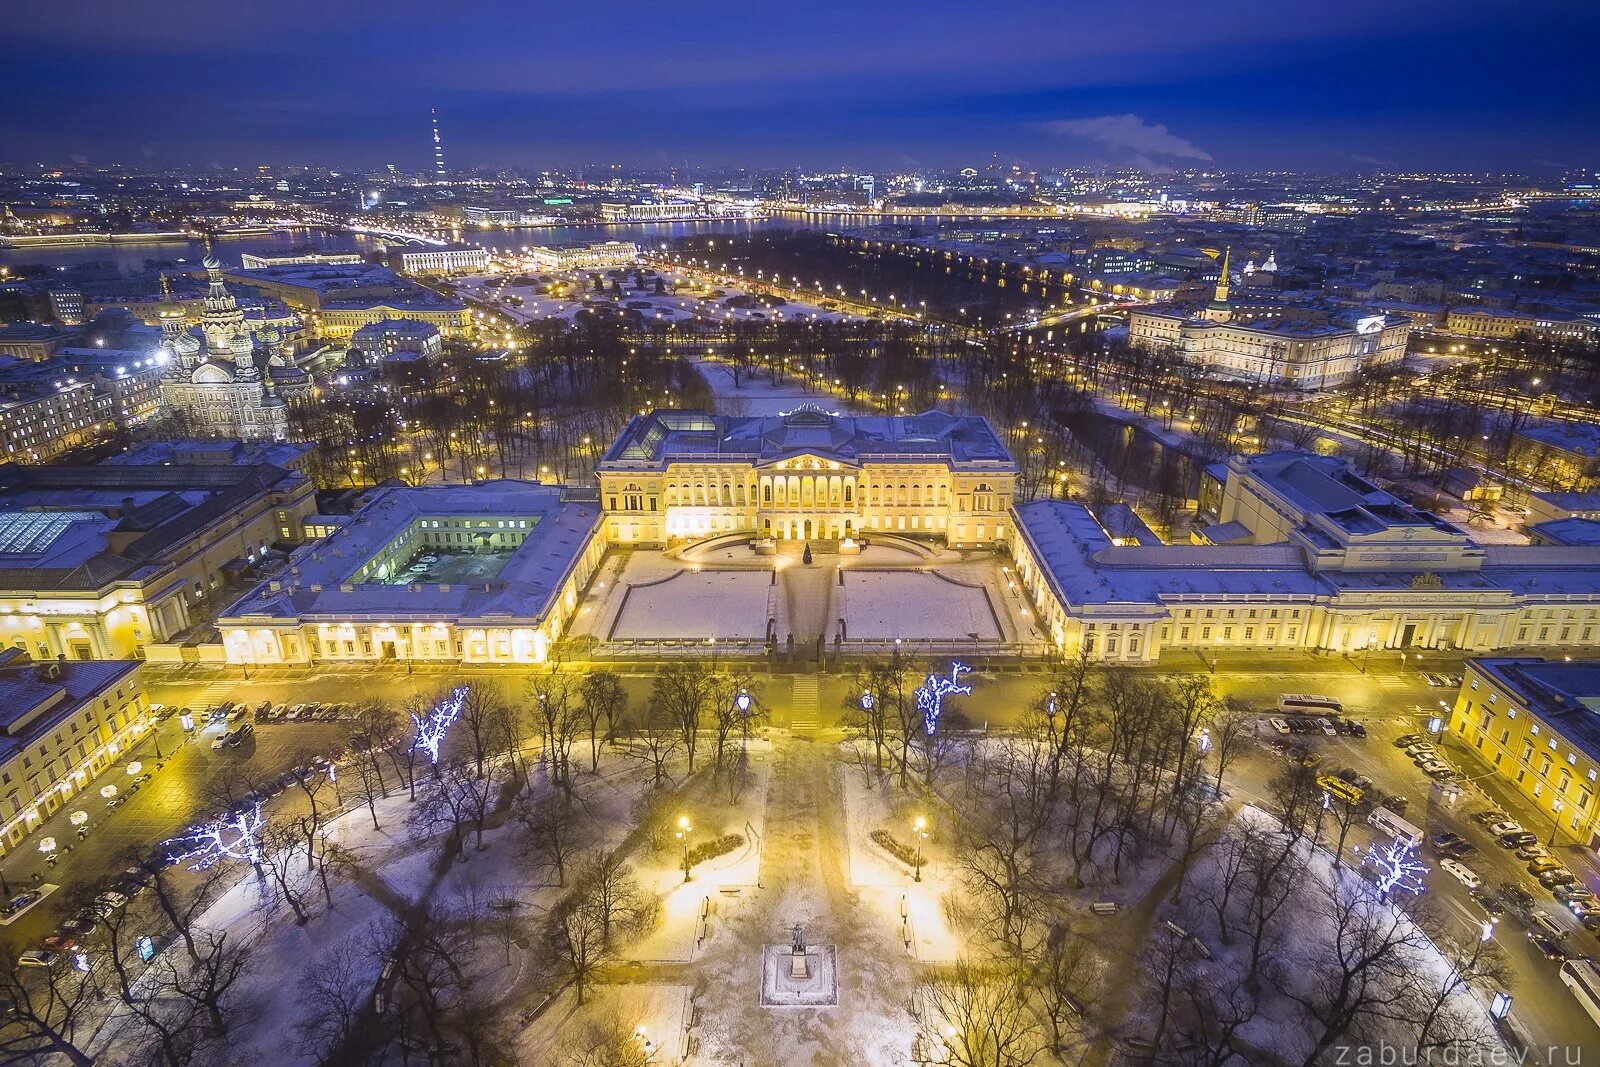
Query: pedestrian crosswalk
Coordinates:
[803,704]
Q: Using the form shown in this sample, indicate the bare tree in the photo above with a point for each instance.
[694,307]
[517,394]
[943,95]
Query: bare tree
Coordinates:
[604,701]
[980,1018]
[49,1015]
[1362,974]
[683,691]
[655,741]
[553,830]
[331,998]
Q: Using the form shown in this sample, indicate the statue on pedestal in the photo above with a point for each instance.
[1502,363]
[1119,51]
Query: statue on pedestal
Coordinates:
[798,968]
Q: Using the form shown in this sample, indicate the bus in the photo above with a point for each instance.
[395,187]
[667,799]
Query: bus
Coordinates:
[1583,978]
[1340,789]
[1308,704]
[1387,822]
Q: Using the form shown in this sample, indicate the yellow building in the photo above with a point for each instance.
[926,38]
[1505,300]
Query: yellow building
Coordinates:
[339,319]
[103,562]
[488,573]
[1536,723]
[61,724]
[808,475]
[1319,559]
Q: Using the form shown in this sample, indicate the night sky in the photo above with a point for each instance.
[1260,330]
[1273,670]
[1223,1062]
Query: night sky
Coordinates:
[1304,84]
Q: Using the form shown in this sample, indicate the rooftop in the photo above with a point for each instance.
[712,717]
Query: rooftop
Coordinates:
[662,437]
[1565,694]
[319,582]
[1581,438]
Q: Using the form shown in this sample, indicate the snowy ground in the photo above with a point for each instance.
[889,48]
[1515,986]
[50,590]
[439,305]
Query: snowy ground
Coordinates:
[724,590]
[879,605]
[756,395]
[722,604]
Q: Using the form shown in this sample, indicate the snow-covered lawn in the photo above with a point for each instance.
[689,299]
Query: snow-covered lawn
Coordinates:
[915,605]
[728,605]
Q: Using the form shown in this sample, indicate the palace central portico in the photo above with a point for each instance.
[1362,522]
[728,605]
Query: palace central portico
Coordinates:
[807,475]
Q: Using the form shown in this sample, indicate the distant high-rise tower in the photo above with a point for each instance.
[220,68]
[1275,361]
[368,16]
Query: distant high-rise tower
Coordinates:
[438,148]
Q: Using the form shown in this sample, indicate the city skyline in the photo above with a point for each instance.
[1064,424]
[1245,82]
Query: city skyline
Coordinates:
[1245,85]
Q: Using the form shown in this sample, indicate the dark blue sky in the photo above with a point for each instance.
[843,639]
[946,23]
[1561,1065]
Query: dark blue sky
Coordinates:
[1469,84]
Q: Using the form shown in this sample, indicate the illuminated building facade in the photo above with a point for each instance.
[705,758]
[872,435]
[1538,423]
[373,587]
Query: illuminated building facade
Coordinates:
[108,561]
[61,725]
[1534,722]
[486,574]
[1295,349]
[1329,563]
[807,475]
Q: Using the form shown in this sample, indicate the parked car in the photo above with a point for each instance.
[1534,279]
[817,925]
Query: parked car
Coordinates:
[1357,729]
[1501,827]
[113,899]
[1516,896]
[294,712]
[1517,839]
[1488,817]
[1529,853]
[1579,898]
[1327,727]
[1559,876]
[1407,740]
[1538,866]
[1490,902]
[1460,850]
[1431,767]
[77,927]
[1420,748]
[20,901]
[47,958]
[1590,921]
[1444,840]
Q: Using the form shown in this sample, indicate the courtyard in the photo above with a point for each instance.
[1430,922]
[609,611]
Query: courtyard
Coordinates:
[894,591]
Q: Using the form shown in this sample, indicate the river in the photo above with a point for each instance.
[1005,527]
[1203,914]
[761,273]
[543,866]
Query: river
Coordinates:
[132,257]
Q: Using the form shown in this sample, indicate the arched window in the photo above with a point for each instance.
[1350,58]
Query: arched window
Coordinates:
[847,499]
[766,493]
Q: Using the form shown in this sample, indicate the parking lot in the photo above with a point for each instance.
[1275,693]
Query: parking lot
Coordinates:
[195,770]
[1492,862]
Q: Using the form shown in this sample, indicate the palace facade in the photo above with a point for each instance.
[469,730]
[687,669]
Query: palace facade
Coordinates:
[1330,563]
[807,475]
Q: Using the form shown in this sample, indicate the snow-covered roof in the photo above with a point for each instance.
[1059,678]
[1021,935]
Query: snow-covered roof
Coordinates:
[663,437]
[319,583]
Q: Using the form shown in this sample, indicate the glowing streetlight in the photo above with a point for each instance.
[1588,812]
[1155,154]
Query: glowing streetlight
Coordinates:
[684,830]
[921,829]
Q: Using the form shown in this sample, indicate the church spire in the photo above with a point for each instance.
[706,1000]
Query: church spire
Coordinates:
[1219,310]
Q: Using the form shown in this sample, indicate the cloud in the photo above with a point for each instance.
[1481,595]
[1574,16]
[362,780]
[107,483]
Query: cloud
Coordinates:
[1369,161]
[1129,133]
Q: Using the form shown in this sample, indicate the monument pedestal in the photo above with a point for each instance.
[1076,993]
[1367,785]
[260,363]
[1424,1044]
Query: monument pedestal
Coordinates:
[791,979]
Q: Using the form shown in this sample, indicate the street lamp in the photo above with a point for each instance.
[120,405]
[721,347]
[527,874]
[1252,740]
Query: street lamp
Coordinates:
[742,704]
[684,830]
[921,828]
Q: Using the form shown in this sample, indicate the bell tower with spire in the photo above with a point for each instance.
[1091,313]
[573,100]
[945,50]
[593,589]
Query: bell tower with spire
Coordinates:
[1219,310]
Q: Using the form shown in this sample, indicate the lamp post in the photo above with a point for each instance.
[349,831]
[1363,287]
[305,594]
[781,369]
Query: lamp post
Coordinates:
[743,703]
[684,830]
[921,828]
